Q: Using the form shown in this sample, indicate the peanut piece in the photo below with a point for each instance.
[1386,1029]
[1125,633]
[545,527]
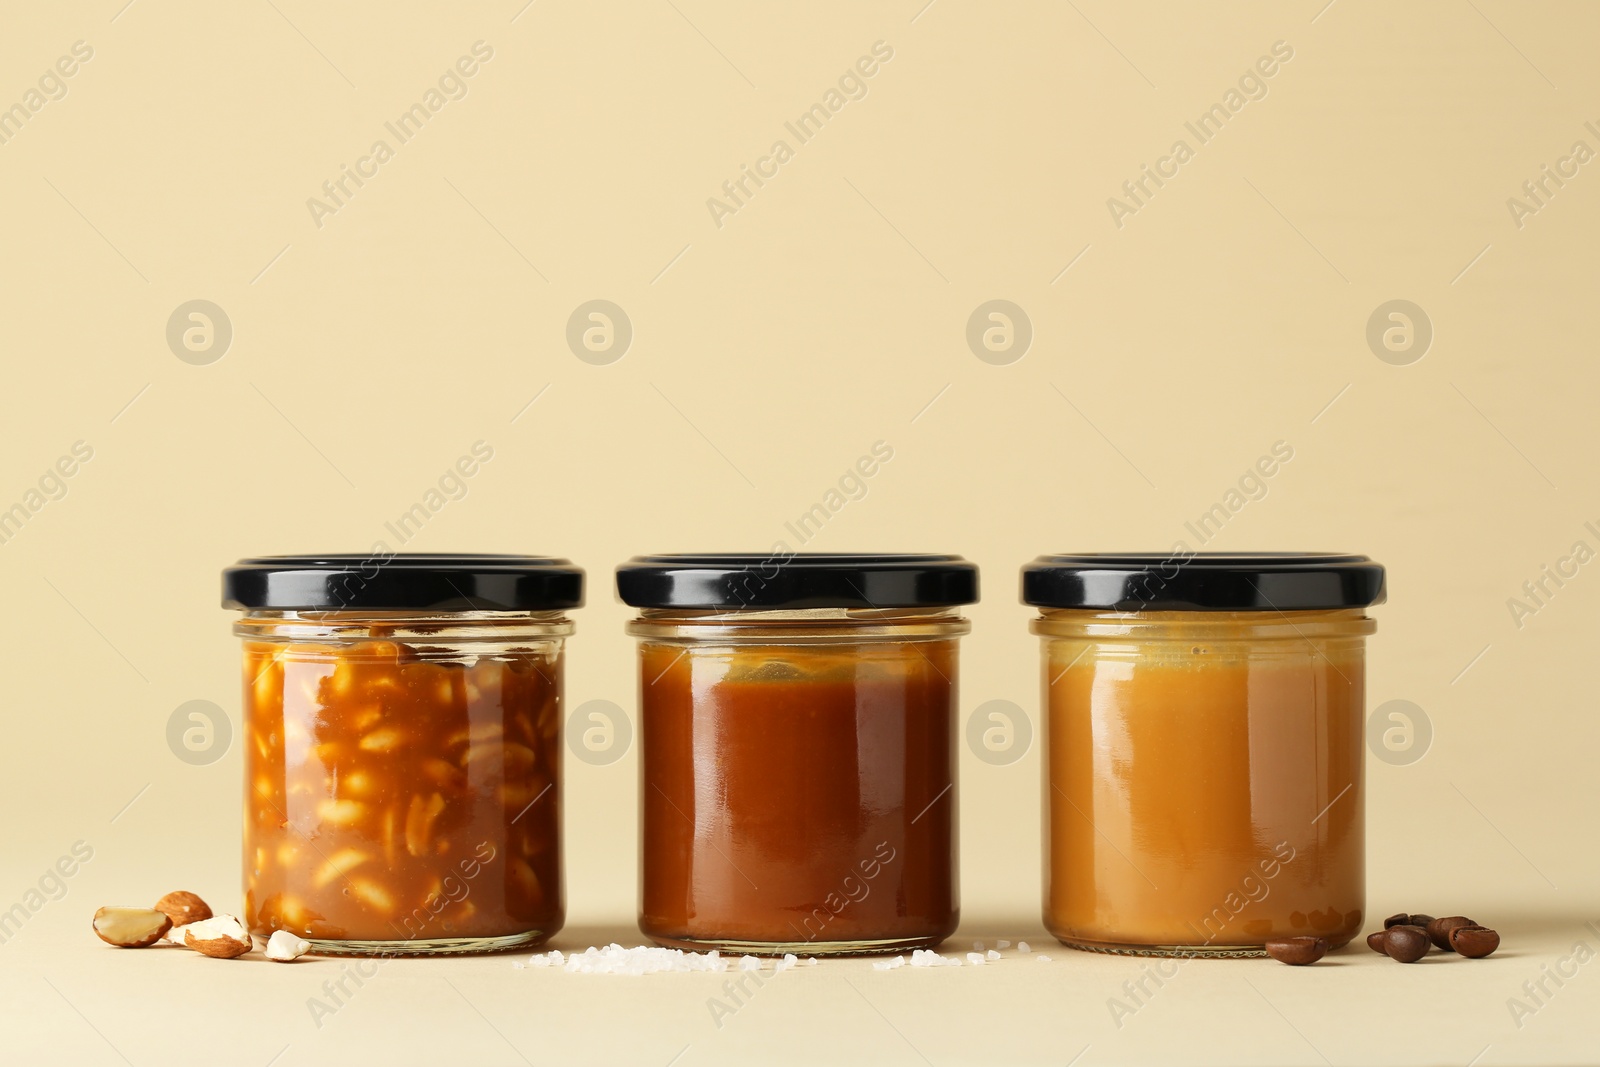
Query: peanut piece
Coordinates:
[383,739]
[221,937]
[338,865]
[419,822]
[340,812]
[373,895]
[283,946]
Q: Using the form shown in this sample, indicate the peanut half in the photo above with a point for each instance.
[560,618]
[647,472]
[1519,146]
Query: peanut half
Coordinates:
[131,927]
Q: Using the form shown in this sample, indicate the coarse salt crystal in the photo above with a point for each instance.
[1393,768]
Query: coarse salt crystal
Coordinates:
[977,946]
[1002,944]
[975,958]
[880,965]
[1042,959]
[991,955]
[749,963]
[1022,946]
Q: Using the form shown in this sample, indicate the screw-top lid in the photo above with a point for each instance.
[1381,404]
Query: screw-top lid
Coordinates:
[404,581]
[1204,581]
[804,580]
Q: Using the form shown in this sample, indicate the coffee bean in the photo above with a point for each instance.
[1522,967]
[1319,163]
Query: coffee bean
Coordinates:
[1474,942]
[1439,930]
[1297,951]
[1402,919]
[1420,920]
[1375,941]
[1408,944]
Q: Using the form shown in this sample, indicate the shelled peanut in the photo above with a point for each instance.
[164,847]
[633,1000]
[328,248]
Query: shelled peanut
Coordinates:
[400,793]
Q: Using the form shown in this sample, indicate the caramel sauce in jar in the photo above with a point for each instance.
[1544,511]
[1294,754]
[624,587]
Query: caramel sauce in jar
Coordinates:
[798,799]
[1202,786]
[798,750]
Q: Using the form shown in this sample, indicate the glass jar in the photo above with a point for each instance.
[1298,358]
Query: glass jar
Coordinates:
[1203,745]
[402,739]
[798,771]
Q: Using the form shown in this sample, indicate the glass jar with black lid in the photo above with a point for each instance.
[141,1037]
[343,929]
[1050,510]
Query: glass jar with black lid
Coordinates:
[797,727]
[402,740]
[1203,739]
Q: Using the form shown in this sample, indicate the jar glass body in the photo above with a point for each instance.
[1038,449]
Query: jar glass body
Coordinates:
[798,779]
[403,779]
[1203,778]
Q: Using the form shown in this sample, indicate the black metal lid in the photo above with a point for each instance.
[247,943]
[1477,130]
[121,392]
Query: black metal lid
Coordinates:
[803,580]
[1203,581]
[404,581]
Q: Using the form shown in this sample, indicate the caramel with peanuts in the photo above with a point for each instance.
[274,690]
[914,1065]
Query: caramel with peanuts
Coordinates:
[400,793]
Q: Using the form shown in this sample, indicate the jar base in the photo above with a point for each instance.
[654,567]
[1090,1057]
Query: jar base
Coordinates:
[877,947]
[1230,952]
[444,946]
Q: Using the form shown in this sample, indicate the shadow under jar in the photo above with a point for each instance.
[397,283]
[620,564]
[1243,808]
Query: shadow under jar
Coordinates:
[1203,739]
[402,746]
[798,771]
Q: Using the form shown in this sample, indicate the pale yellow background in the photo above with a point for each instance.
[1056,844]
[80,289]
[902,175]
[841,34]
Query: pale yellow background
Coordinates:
[768,354]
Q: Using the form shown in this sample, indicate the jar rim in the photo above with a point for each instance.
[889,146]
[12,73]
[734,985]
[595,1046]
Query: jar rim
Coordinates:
[1240,627]
[789,626]
[348,628]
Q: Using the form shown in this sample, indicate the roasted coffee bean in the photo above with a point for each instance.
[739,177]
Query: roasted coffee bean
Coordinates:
[1375,941]
[1474,942]
[1439,930]
[1408,944]
[1402,919]
[1297,951]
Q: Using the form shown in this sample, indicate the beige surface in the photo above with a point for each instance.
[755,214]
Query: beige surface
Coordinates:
[829,312]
